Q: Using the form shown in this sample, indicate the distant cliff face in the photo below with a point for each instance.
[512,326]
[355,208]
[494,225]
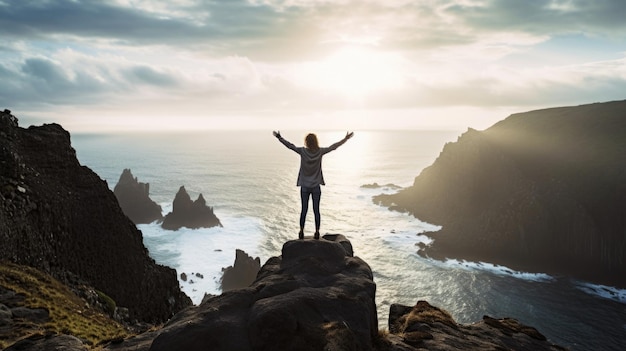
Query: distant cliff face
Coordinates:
[540,191]
[60,217]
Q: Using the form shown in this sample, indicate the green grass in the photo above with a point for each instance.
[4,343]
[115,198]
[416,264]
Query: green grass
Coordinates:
[69,313]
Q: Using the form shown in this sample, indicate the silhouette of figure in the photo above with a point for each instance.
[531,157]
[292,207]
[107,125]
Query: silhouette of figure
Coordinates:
[310,176]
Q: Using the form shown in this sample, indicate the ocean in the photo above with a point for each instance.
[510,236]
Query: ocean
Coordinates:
[249,179]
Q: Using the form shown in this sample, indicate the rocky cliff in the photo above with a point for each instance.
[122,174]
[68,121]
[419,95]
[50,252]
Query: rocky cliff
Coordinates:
[318,296]
[539,191]
[61,218]
[134,199]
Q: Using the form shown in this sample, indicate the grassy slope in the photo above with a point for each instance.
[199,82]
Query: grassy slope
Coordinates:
[69,314]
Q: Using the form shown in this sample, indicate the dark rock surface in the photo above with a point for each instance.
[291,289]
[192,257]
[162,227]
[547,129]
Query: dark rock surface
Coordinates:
[49,342]
[242,273]
[134,199]
[190,214]
[540,191]
[426,327]
[61,218]
[314,295]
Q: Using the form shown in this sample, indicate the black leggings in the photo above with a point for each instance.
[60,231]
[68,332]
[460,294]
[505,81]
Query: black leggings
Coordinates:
[305,192]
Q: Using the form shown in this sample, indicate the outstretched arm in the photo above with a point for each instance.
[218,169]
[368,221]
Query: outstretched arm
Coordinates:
[340,142]
[284,142]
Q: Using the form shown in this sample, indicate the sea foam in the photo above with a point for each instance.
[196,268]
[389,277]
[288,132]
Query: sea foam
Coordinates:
[607,292]
[202,253]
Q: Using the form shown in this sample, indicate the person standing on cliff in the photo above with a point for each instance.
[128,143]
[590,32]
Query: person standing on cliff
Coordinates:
[310,176]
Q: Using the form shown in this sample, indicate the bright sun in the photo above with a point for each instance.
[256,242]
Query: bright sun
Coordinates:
[352,72]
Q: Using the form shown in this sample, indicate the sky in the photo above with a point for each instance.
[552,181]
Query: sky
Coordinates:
[139,65]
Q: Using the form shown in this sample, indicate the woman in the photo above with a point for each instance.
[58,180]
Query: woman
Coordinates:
[310,176]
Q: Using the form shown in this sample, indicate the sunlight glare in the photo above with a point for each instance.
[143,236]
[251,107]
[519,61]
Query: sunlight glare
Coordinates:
[353,71]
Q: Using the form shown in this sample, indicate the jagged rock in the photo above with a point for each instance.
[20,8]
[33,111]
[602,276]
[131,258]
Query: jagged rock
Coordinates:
[190,214]
[68,223]
[31,314]
[314,295]
[134,199]
[541,191]
[242,273]
[426,327]
[388,186]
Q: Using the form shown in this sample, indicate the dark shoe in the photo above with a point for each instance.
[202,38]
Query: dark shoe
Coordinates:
[301,235]
[317,235]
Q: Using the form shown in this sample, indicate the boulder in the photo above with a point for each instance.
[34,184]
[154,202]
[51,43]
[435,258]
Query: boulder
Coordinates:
[40,342]
[242,273]
[316,295]
[426,327]
[134,199]
[190,214]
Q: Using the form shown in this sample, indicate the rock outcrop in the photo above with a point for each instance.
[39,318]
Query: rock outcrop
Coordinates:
[425,327]
[190,214]
[540,191]
[242,273]
[318,296]
[134,199]
[61,218]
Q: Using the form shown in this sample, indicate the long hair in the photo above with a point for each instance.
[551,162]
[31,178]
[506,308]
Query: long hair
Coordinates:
[311,142]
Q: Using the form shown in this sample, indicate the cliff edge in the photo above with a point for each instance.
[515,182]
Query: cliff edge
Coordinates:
[541,191]
[61,218]
[318,296]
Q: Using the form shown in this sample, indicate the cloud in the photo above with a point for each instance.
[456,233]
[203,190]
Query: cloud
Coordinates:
[148,75]
[249,57]
[543,17]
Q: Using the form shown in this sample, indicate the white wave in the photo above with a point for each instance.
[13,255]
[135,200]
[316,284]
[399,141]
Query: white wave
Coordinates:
[496,269]
[604,291]
[203,251]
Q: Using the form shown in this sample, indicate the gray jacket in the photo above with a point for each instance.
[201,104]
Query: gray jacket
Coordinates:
[310,174]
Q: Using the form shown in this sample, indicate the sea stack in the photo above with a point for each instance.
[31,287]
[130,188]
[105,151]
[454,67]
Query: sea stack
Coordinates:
[242,273]
[134,199]
[190,214]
